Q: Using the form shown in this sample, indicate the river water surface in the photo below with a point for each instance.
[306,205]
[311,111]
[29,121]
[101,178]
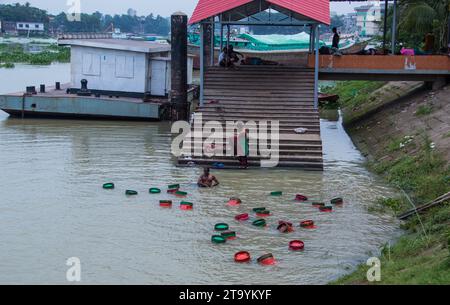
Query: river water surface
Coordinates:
[52,207]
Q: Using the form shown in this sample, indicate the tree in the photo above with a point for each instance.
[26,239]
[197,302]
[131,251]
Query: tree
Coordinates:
[418,18]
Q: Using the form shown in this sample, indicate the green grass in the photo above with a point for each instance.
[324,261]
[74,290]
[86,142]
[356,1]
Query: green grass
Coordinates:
[424,110]
[422,174]
[353,93]
[420,257]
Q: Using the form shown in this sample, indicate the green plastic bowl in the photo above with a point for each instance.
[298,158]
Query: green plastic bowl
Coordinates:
[131,193]
[277,193]
[174,186]
[108,186]
[337,201]
[228,235]
[155,190]
[260,223]
[221,227]
[259,210]
[218,239]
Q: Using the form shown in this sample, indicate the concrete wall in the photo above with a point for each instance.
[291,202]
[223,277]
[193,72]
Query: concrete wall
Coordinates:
[398,62]
[110,70]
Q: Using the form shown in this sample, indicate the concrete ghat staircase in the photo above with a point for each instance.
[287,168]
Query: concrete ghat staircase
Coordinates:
[255,93]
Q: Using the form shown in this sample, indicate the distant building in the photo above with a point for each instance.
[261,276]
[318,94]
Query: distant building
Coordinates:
[30,27]
[9,28]
[350,26]
[368,19]
[126,66]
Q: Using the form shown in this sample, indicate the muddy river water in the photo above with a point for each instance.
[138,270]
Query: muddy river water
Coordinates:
[52,207]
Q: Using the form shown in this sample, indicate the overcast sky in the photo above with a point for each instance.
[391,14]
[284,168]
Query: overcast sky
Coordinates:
[143,7]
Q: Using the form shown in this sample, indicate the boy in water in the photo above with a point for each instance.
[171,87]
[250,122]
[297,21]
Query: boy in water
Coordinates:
[207,180]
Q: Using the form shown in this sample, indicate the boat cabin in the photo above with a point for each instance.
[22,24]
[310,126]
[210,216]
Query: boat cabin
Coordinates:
[122,67]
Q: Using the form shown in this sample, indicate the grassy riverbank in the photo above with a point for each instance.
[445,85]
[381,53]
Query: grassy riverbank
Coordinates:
[406,141]
[11,53]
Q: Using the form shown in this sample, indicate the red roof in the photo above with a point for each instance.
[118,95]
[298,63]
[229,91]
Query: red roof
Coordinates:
[318,10]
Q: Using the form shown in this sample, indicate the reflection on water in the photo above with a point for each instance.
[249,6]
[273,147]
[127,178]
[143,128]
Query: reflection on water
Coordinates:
[52,208]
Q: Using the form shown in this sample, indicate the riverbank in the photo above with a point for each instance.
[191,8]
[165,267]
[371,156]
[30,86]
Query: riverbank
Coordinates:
[407,141]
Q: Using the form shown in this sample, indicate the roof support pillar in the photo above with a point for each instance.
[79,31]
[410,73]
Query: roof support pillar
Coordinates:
[316,66]
[202,65]
[394,28]
[213,42]
[386,8]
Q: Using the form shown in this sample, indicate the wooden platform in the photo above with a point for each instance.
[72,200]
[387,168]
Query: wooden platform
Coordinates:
[261,93]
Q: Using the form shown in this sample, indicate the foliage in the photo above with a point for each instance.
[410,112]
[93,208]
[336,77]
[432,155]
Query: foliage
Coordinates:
[17,12]
[423,174]
[14,53]
[353,93]
[424,110]
[417,18]
[419,257]
[95,22]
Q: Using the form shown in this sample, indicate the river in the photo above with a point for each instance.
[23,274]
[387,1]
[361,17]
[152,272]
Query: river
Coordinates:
[53,207]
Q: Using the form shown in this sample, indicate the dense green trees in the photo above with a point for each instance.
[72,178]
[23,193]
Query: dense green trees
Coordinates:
[417,18]
[18,12]
[96,22]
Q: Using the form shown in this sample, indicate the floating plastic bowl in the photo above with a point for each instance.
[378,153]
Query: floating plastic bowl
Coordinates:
[260,223]
[326,209]
[242,217]
[301,198]
[296,245]
[174,187]
[155,190]
[234,202]
[267,259]
[285,222]
[131,193]
[265,213]
[285,227]
[181,194]
[221,227]
[165,203]
[337,201]
[186,206]
[277,193]
[229,235]
[108,186]
[307,224]
[318,204]
[218,239]
[258,210]
[242,257]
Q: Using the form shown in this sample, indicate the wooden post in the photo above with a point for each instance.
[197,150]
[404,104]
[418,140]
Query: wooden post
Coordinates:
[179,77]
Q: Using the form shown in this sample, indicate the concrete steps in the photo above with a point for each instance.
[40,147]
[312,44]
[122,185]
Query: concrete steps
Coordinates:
[283,94]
